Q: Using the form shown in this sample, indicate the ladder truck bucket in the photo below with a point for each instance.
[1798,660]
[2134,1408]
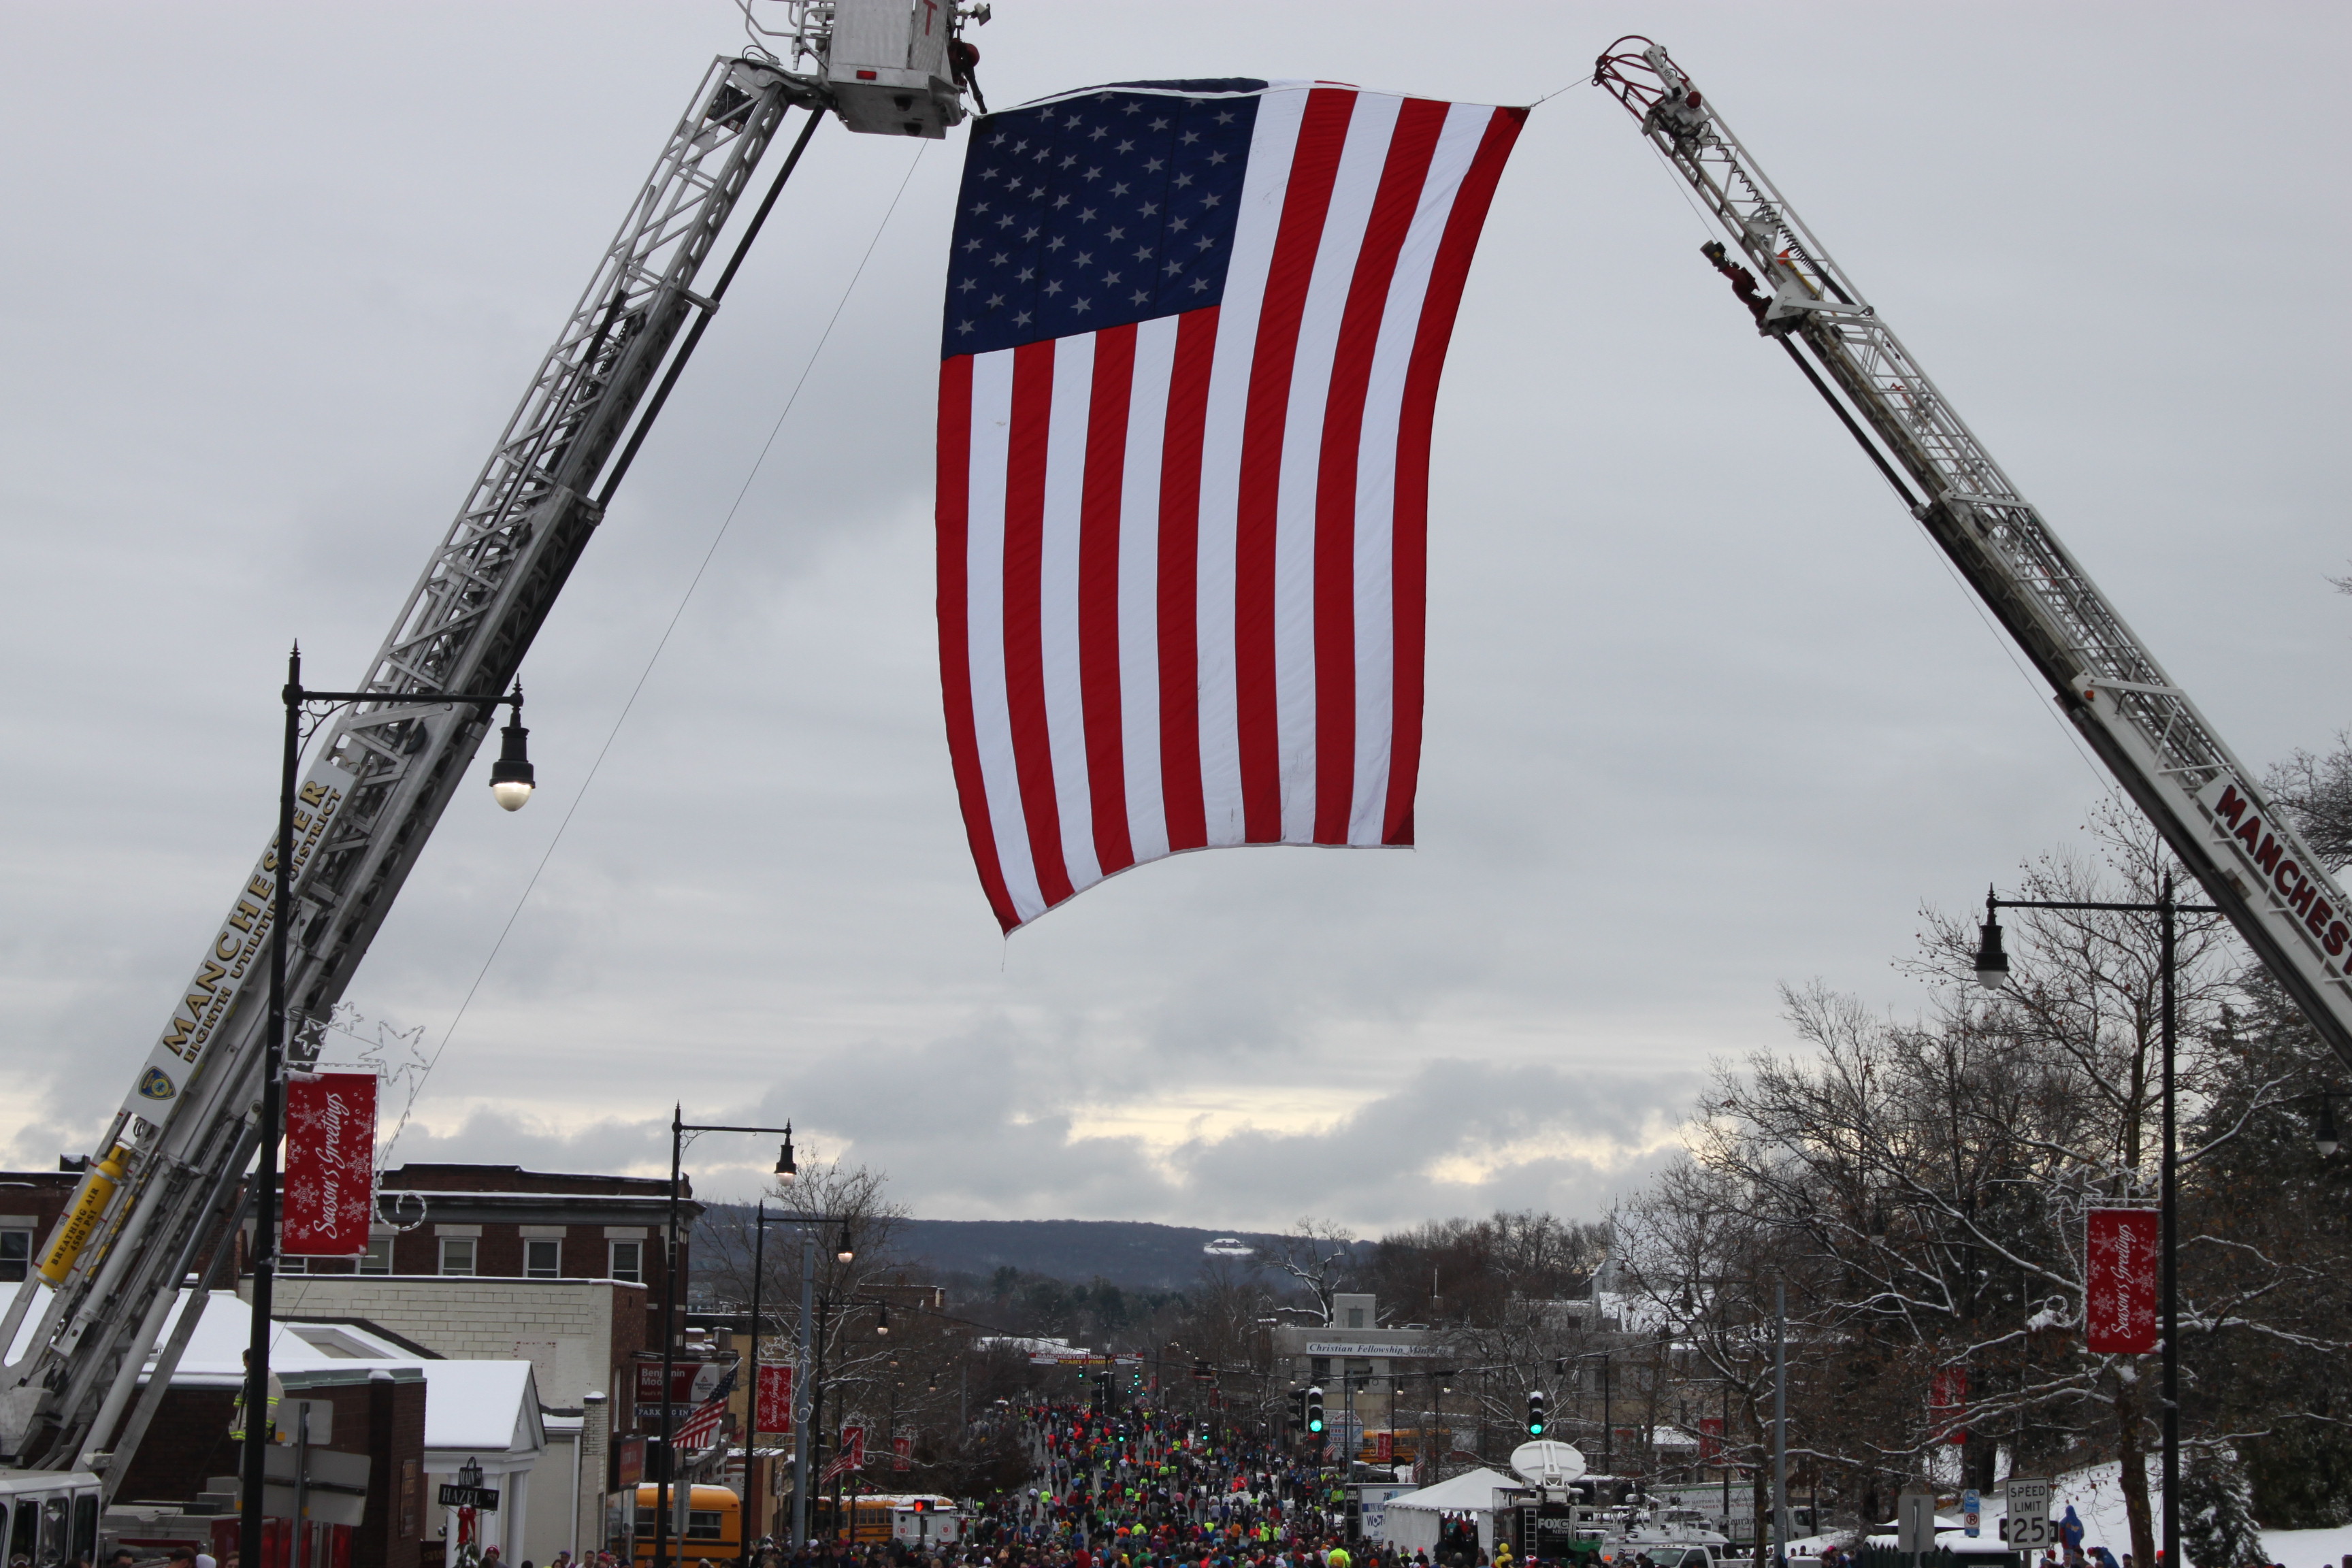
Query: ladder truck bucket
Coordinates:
[887,67]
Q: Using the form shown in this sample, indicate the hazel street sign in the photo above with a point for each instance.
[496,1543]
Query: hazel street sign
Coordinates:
[484,1497]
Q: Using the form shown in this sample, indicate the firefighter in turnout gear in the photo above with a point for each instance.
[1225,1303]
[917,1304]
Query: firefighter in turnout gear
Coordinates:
[237,1413]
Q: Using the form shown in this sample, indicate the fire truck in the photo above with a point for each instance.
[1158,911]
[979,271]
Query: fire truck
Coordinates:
[165,1188]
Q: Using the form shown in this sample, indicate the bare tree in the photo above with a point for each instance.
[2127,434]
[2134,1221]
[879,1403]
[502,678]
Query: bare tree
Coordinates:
[1920,1189]
[1321,1254]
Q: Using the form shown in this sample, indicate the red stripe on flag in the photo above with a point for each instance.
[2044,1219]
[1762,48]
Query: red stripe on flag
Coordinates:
[1411,146]
[1446,277]
[955,630]
[1180,580]
[1099,672]
[1322,137]
[1025,657]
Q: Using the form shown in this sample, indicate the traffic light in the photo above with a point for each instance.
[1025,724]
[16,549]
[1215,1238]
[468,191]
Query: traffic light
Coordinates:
[1535,1413]
[1315,1412]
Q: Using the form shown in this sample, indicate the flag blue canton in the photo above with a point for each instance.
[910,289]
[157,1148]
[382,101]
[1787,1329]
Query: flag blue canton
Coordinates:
[1114,206]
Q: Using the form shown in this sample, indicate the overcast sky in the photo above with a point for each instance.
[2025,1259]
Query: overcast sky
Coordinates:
[1707,713]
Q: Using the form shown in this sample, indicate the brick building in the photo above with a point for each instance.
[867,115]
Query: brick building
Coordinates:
[30,1203]
[502,1222]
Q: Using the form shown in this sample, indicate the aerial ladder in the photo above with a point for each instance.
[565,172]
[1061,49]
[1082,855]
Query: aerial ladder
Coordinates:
[167,1186]
[2224,828]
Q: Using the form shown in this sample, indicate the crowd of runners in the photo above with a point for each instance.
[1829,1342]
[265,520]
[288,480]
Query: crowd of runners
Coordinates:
[1146,1489]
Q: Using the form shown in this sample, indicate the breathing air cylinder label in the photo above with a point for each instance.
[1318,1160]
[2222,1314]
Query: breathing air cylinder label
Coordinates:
[81,1221]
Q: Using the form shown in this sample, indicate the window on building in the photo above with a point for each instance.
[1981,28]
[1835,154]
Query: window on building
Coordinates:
[16,1255]
[456,1255]
[377,1258]
[289,1263]
[628,1261]
[542,1257]
[1355,1316]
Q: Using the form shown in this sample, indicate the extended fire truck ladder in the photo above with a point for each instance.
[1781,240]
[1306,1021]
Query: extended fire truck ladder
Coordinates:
[2144,727]
[165,1187]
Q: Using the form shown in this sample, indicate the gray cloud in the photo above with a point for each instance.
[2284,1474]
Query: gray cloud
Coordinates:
[1704,711]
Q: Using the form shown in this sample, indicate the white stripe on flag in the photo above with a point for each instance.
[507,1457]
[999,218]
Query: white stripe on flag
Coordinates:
[992,718]
[1273,143]
[1371,126]
[1457,144]
[1065,719]
[1139,587]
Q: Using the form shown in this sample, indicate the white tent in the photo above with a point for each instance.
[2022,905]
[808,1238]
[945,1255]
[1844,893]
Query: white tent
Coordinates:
[1415,1520]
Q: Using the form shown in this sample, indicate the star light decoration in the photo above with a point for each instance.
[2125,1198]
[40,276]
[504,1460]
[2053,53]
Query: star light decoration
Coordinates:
[1114,206]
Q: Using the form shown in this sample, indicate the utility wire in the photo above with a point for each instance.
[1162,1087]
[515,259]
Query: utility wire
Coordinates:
[643,675]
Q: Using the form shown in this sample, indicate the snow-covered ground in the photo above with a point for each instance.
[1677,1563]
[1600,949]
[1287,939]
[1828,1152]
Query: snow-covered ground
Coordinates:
[2096,1495]
[2308,1548]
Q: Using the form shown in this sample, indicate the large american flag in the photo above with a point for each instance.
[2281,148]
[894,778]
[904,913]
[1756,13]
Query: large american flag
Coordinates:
[1193,341]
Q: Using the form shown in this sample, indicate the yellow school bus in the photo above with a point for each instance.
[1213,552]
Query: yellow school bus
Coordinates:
[714,1527]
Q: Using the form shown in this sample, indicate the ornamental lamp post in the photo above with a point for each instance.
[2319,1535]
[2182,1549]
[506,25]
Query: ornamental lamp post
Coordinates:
[1992,973]
[664,1483]
[510,785]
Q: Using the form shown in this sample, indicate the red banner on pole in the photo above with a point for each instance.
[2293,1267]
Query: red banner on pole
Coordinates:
[775,1399]
[1710,1440]
[2119,1297]
[901,1449]
[330,1164]
[1948,1404]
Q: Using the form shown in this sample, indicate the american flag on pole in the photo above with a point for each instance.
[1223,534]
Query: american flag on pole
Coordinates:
[1191,348]
[701,1428]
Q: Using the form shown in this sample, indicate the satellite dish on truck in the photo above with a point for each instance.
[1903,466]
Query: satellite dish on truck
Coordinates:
[1544,1463]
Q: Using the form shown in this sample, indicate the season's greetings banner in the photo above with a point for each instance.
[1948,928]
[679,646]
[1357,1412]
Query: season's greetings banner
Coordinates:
[330,1164]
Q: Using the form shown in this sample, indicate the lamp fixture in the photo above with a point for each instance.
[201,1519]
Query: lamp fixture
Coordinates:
[787,1169]
[1992,963]
[512,779]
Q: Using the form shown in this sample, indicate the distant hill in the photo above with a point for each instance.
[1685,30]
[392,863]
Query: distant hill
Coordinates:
[1133,1254]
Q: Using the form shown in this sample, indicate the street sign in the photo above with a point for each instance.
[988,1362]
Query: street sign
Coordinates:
[1971,1512]
[2025,1526]
[485,1498]
[1914,1523]
[321,1412]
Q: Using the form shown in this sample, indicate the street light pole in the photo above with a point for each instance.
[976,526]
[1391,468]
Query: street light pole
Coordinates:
[754,1493]
[804,1394]
[2168,1201]
[1780,1424]
[1992,973]
[664,1483]
[510,783]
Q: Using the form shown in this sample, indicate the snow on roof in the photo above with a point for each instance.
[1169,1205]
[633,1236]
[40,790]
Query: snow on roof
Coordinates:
[490,1406]
[1473,1490]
